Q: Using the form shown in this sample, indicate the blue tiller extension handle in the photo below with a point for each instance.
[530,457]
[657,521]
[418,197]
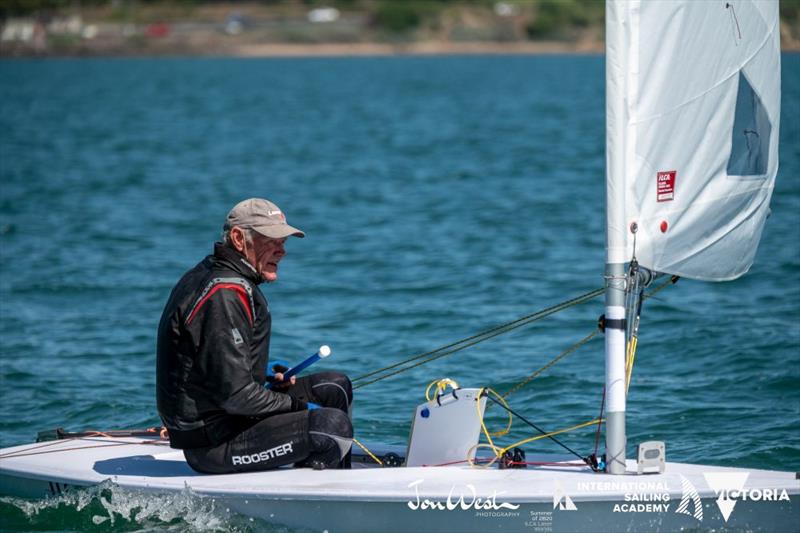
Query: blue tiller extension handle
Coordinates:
[324,351]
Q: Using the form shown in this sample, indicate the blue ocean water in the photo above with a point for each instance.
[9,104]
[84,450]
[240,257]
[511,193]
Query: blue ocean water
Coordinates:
[441,196]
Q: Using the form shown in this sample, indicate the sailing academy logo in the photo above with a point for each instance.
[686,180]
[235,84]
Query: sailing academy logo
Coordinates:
[689,495]
[562,500]
[729,488]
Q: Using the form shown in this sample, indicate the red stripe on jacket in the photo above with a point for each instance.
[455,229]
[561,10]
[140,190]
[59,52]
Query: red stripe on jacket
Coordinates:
[238,289]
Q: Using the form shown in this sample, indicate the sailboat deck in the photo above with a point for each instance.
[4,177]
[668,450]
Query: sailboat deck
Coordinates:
[134,463]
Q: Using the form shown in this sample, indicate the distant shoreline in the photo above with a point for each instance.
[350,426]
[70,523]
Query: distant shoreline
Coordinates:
[421,48]
[370,49]
[301,28]
[367,49]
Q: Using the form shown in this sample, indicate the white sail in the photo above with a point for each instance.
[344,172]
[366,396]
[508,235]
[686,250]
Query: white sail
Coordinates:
[693,113]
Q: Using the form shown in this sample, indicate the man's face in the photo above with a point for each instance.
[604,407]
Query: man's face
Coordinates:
[264,254]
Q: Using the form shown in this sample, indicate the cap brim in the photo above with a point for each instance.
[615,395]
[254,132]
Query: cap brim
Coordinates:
[280,231]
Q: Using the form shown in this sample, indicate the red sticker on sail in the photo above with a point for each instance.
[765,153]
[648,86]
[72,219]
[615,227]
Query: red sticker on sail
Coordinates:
[665,186]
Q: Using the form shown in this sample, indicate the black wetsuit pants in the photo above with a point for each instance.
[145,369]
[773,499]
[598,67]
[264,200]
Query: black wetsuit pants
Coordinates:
[318,438]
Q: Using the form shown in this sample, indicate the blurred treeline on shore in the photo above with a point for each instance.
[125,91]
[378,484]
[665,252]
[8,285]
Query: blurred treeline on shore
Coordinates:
[129,27]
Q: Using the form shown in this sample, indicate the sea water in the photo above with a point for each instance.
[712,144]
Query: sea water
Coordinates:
[441,196]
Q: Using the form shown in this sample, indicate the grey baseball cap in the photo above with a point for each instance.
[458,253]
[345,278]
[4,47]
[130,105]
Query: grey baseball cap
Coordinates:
[262,216]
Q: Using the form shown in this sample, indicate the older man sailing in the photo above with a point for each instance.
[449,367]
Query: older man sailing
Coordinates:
[213,350]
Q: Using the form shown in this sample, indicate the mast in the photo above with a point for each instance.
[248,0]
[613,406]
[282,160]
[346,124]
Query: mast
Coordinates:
[617,153]
[692,123]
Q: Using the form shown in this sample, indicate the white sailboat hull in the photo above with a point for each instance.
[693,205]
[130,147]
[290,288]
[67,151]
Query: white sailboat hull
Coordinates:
[454,498]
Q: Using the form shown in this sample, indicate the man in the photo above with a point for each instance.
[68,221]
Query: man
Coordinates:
[213,350]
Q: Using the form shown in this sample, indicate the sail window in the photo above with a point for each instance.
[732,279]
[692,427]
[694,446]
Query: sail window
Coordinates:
[750,136]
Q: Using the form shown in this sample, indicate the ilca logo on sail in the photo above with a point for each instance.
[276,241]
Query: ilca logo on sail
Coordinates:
[562,500]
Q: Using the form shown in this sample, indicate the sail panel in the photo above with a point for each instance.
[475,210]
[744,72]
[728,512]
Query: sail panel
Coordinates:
[692,133]
[750,133]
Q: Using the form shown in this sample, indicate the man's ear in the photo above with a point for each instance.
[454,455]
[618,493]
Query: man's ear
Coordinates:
[237,238]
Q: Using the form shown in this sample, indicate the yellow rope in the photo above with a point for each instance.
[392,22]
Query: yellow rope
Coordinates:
[499,452]
[502,400]
[374,458]
[441,386]
[485,432]
[630,353]
[631,357]
[546,435]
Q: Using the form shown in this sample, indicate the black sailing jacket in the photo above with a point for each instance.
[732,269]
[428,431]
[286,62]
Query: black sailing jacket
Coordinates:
[213,347]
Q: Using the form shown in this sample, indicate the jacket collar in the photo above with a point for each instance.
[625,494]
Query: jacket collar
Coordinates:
[230,258]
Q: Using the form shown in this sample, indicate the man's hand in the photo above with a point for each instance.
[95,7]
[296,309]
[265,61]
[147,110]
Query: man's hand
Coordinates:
[277,378]
[279,385]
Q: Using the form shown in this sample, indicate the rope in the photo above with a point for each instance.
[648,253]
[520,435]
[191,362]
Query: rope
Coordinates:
[462,344]
[485,432]
[500,452]
[631,357]
[45,445]
[599,422]
[374,458]
[467,342]
[441,385]
[83,435]
[671,281]
[551,434]
[104,444]
[558,358]
[735,18]
[477,461]
[633,340]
